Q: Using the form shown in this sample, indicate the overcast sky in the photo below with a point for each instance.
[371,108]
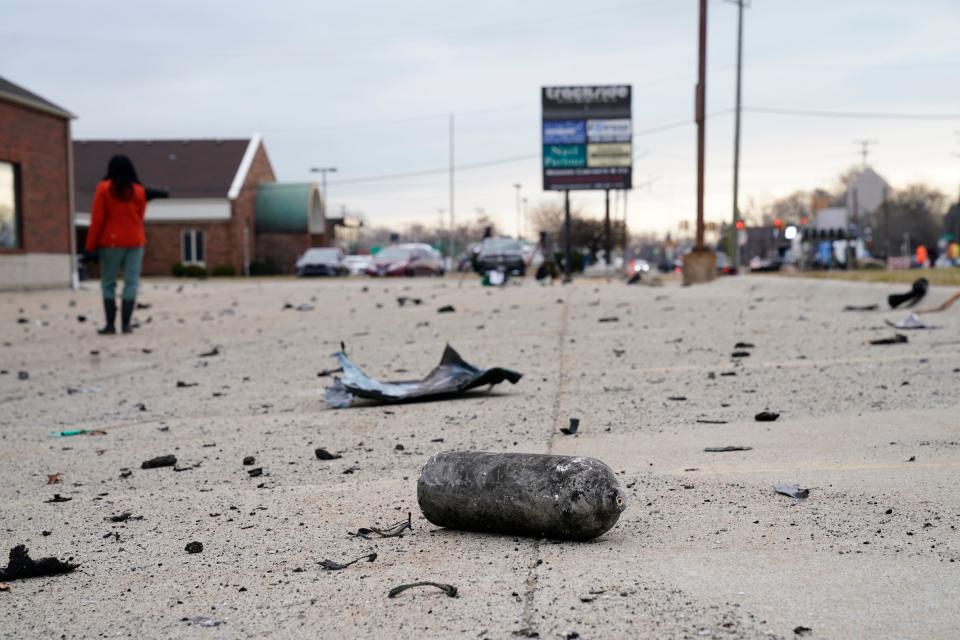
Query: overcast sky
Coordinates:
[367,86]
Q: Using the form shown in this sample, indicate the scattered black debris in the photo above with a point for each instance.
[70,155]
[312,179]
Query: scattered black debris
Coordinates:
[572,429]
[619,352]
[917,291]
[125,473]
[912,459]
[81,318]
[351,469]
[726,449]
[323,454]
[23,320]
[256,472]
[209,354]
[403,300]
[143,306]
[802,631]
[898,338]
[447,308]
[123,517]
[54,478]
[22,566]
[399,447]
[448,589]
[249,460]
[861,307]
[23,375]
[677,398]
[436,440]
[740,354]
[393,531]
[452,376]
[728,373]
[766,416]
[58,498]
[168,460]
[792,490]
[329,372]
[706,421]
[183,385]
[140,406]
[743,345]
[194,547]
[202,621]
[330,565]
[304,307]
[609,319]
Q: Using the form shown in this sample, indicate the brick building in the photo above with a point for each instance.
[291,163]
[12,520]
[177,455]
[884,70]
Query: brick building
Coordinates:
[36,227]
[289,220]
[208,220]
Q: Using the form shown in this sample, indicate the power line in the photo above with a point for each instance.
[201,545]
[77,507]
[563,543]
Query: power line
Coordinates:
[852,114]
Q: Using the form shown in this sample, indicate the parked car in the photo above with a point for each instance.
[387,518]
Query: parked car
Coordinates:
[411,259]
[321,262]
[357,264]
[501,254]
[763,265]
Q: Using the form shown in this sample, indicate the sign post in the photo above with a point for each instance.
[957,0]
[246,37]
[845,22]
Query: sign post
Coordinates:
[587,137]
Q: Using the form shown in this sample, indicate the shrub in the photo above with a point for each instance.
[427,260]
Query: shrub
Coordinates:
[223,271]
[264,268]
[194,271]
[177,270]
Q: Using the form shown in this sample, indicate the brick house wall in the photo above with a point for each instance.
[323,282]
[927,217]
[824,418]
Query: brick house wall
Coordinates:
[244,207]
[38,142]
[281,250]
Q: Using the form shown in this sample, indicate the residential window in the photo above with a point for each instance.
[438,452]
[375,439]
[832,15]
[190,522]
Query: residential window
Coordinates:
[192,248]
[9,206]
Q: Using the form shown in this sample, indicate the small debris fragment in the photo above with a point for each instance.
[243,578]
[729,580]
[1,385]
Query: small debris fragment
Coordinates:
[123,517]
[898,338]
[323,454]
[743,345]
[726,449]
[23,375]
[740,354]
[448,308]
[609,319]
[168,460]
[677,398]
[393,531]
[448,589]
[249,460]
[572,429]
[21,566]
[54,478]
[861,307]
[329,372]
[209,354]
[706,421]
[255,472]
[202,621]
[58,498]
[766,416]
[802,631]
[792,490]
[194,547]
[330,565]
[183,385]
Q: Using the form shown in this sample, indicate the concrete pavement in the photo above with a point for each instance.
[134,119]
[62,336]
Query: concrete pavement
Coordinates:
[705,548]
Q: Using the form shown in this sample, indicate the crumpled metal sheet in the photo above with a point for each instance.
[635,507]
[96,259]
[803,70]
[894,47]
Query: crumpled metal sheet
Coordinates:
[451,377]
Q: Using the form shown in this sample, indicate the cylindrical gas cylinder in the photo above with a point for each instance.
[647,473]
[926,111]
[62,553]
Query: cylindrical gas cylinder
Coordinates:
[562,497]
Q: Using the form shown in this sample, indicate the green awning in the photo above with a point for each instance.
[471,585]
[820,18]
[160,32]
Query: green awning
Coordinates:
[288,207]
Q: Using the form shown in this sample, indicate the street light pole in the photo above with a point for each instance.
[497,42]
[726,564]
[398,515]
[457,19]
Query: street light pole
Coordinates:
[518,186]
[701,118]
[734,245]
[323,171]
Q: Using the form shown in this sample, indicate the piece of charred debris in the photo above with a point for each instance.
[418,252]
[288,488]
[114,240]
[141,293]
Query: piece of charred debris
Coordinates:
[21,566]
[448,589]
[168,460]
[766,416]
[330,565]
[560,497]
[323,454]
[393,531]
[572,429]
[792,490]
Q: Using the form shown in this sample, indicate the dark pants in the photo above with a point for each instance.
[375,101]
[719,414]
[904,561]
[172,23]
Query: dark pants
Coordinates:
[113,260]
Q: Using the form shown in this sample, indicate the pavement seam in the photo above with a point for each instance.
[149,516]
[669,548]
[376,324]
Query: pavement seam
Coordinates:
[532,581]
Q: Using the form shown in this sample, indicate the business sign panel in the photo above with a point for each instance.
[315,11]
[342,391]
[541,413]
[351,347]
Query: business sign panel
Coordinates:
[587,137]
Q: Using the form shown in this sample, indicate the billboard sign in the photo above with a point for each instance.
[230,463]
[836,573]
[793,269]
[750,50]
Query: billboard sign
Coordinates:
[587,137]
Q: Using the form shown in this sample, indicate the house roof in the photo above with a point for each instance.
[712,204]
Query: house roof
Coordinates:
[186,168]
[15,93]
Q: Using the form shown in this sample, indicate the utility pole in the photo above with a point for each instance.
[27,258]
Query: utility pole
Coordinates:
[440,212]
[567,251]
[518,186]
[607,239]
[701,118]
[624,240]
[734,244]
[453,226]
[864,149]
[323,171]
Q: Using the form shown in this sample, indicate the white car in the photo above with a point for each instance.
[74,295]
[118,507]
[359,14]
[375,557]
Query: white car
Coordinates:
[357,265]
[321,261]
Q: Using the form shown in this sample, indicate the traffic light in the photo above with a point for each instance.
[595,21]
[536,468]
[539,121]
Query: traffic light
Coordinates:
[778,223]
[741,225]
[803,220]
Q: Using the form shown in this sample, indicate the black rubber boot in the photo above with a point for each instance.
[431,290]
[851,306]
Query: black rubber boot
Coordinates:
[126,314]
[110,312]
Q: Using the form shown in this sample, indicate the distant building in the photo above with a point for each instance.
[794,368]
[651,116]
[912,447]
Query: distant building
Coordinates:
[36,227]
[289,220]
[866,192]
[208,219]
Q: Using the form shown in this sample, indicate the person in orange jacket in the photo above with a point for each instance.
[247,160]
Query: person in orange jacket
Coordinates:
[116,234]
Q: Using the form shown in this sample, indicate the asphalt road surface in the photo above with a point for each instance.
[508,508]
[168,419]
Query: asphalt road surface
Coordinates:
[706,548]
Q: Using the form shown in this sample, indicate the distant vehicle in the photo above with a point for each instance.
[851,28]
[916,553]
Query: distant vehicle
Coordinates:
[639,265]
[501,254]
[411,259]
[724,264]
[321,262]
[357,264]
[762,265]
